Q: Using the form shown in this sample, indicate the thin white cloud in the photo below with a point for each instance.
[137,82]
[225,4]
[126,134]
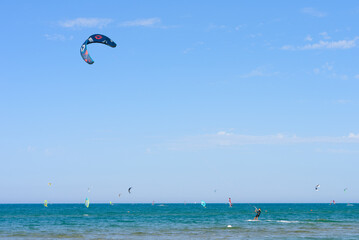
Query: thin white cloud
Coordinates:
[217,27]
[308,38]
[339,76]
[57,37]
[188,50]
[325,35]
[239,27]
[288,47]
[343,101]
[43,151]
[254,73]
[254,35]
[313,12]
[224,133]
[224,139]
[328,66]
[229,28]
[195,46]
[149,22]
[86,23]
[340,44]
[316,70]
[30,148]
[356,76]
[258,72]
[327,70]
[353,135]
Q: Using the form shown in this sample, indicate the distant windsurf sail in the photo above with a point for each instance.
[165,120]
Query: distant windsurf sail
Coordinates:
[203,203]
[230,202]
[87,202]
[45,203]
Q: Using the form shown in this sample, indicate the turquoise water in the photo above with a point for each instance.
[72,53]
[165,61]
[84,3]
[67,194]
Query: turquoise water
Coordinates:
[178,221]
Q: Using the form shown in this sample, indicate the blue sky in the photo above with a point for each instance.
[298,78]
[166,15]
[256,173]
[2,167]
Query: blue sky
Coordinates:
[256,100]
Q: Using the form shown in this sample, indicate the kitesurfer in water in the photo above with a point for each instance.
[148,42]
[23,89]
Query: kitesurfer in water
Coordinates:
[258,211]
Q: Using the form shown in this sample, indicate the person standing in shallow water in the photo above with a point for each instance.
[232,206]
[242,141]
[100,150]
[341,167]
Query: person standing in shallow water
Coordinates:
[258,211]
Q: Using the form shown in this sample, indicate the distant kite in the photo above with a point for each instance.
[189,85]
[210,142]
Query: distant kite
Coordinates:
[96,38]
[345,189]
[317,187]
[129,190]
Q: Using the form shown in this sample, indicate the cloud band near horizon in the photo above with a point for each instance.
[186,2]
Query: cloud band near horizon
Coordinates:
[225,139]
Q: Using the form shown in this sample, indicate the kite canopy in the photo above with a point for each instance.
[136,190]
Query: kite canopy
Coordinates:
[317,187]
[95,38]
[129,190]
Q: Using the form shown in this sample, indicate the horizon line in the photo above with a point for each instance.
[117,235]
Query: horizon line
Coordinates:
[184,203]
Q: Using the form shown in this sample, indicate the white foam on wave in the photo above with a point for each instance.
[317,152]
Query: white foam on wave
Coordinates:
[278,221]
[284,221]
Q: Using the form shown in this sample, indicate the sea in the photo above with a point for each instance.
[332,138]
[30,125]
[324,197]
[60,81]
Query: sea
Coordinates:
[179,221]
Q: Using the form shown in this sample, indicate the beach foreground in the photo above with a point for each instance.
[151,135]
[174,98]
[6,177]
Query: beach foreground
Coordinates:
[178,221]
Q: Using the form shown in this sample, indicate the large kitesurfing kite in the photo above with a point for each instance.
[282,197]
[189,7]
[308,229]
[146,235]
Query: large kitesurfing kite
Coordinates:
[96,38]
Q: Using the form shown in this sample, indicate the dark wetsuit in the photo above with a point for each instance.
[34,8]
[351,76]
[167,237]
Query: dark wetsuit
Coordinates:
[258,213]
